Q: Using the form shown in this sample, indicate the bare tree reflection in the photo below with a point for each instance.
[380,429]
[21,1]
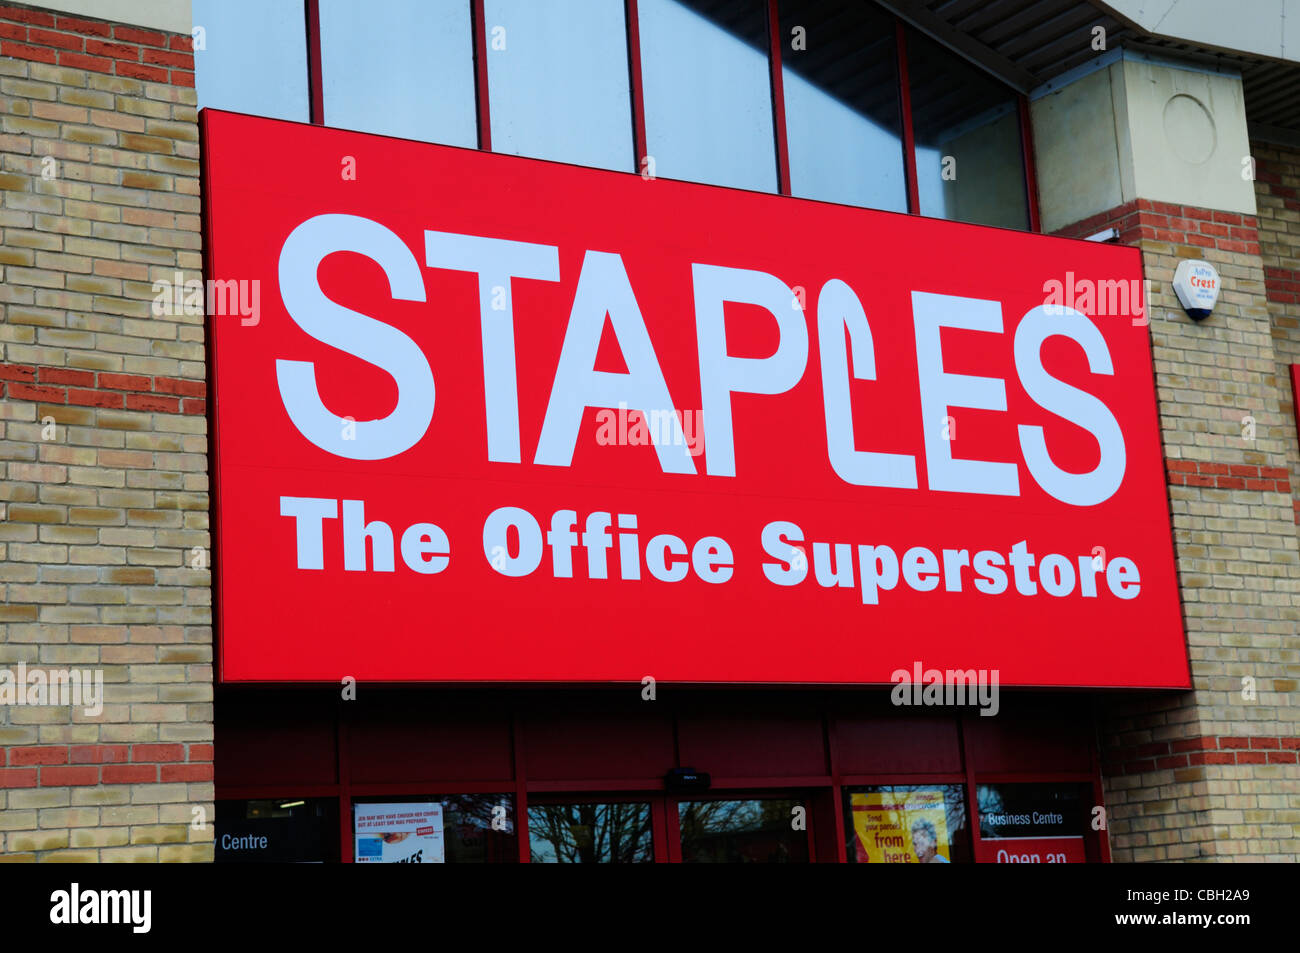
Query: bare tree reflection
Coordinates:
[741,831]
[617,833]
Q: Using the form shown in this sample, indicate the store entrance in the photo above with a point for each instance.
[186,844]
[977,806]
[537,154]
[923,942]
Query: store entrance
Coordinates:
[735,827]
[490,777]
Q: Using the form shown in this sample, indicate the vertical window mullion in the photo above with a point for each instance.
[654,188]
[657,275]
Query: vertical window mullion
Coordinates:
[525,854]
[1031,176]
[905,107]
[343,752]
[634,75]
[315,78]
[478,17]
[778,97]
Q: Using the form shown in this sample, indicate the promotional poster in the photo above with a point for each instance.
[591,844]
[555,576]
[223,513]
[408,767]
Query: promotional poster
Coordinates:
[407,833]
[901,827]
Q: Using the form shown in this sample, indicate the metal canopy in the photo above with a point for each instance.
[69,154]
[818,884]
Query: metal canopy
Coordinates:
[1029,42]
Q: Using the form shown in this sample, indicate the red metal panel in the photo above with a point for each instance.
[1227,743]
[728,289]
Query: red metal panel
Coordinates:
[343,741]
[422,742]
[521,791]
[1031,740]
[543,627]
[830,728]
[594,789]
[611,746]
[672,832]
[659,825]
[753,746]
[259,742]
[406,742]
[897,744]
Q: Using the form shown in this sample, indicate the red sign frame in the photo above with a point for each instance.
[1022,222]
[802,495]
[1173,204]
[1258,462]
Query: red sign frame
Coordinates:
[407,554]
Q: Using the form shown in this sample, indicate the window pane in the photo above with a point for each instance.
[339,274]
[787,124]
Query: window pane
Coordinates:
[1033,823]
[254,57]
[742,831]
[480,828]
[281,831]
[400,68]
[903,824]
[708,91]
[969,164]
[558,82]
[840,79]
[590,833]
[452,829]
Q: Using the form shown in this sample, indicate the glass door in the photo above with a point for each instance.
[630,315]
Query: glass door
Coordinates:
[709,827]
[761,828]
[593,829]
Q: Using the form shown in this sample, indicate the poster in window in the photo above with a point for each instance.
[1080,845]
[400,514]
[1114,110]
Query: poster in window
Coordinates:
[901,827]
[405,833]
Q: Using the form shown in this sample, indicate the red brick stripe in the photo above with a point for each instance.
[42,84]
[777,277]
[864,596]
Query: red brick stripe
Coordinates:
[97,754]
[1144,220]
[1282,285]
[1272,178]
[1209,749]
[31,766]
[99,46]
[62,385]
[1228,476]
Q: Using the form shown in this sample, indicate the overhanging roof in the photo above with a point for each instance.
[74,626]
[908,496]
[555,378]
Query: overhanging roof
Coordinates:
[1029,42]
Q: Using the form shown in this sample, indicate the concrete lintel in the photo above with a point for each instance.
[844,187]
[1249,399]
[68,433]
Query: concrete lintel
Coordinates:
[1132,55]
[171,16]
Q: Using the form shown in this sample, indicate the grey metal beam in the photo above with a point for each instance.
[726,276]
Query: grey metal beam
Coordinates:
[918,15]
[1274,134]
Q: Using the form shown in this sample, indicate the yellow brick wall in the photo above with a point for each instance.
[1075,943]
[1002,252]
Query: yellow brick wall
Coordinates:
[1277,193]
[104,536]
[1212,774]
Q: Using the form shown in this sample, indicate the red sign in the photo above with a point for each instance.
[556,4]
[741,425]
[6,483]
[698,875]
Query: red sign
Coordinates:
[507,420]
[1031,850]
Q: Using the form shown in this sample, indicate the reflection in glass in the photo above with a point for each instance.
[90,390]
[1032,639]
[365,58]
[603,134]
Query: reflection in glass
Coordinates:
[283,830]
[476,828]
[254,57]
[559,86]
[843,129]
[969,164]
[742,831]
[479,828]
[400,68]
[922,823]
[616,833]
[1032,809]
[708,91]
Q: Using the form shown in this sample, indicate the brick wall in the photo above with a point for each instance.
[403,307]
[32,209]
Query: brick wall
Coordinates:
[1212,774]
[1277,193]
[41,36]
[103,447]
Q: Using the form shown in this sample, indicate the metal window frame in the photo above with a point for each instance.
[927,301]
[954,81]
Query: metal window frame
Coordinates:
[823,794]
[637,104]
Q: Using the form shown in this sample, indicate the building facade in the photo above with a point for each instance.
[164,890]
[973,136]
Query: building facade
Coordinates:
[1077,119]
